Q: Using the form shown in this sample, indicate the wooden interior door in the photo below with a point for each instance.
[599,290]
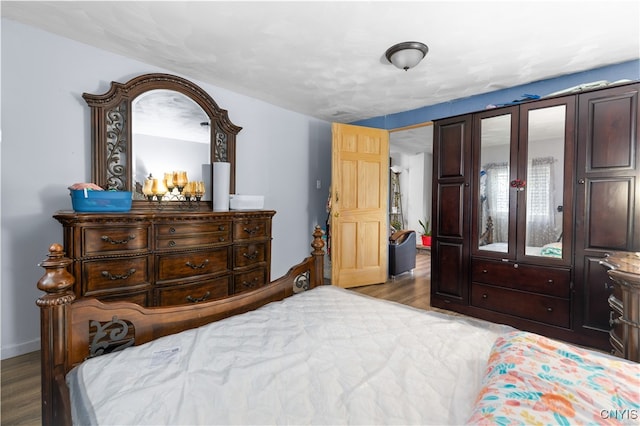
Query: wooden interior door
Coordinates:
[360,187]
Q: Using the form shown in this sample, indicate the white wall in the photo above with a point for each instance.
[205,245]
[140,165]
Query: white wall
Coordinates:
[46,147]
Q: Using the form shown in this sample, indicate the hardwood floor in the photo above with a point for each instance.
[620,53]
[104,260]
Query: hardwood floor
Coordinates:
[411,288]
[21,375]
[21,390]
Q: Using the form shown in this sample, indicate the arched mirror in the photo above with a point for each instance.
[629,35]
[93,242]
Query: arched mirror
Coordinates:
[158,124]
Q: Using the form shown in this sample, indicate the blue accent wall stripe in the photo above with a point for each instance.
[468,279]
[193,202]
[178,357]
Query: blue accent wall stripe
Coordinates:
[629,70]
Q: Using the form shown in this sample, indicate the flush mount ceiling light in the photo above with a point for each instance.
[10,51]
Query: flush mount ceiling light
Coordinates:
[406,55]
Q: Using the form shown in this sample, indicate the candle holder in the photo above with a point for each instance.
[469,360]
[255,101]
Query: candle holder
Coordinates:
[173,191]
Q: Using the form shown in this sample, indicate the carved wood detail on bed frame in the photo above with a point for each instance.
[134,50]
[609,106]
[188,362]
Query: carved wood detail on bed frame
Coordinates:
[73,330]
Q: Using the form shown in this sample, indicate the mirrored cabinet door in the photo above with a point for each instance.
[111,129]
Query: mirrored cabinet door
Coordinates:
[544,180]
[494,167]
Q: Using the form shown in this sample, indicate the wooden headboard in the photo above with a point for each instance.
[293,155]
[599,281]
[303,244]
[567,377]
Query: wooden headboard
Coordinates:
[75,330]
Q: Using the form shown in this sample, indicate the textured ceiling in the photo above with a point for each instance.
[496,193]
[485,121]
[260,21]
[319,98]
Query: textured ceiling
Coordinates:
[326,59]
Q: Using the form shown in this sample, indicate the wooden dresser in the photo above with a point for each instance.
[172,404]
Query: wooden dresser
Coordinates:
[624,270]
[167,258]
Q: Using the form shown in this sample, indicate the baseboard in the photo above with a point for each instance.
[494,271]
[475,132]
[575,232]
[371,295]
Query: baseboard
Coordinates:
[21,349]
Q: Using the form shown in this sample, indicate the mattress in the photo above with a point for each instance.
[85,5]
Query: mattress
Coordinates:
[325,356]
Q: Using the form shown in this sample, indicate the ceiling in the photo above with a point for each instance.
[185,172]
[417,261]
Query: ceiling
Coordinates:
[326,59]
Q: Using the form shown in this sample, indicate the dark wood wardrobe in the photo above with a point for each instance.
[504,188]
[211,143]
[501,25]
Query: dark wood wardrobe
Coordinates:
[527,200]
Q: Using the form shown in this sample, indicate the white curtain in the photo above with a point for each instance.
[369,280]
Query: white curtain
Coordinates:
[495,200]
[540,208]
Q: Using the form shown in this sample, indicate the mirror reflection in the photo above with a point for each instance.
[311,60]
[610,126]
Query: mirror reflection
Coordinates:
[540,181]
[171,135]
[544,181]
[495,142]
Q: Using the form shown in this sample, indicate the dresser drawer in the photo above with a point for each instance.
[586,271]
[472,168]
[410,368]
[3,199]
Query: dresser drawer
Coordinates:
[115,275]
[192,264]
[222,228]
[192,242]
[193,293]
[248,229]
[249,254]
[250,280]
[538,279]
[536,307]
[617,348]
[142,298]
[114,239]
[192,235]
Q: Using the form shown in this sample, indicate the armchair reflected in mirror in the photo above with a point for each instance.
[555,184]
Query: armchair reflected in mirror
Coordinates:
[158,124]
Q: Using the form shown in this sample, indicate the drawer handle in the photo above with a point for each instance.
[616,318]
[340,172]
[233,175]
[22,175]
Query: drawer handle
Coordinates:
[484,271]
[250,284]
[549,281]
[171,243]
[172,230]
[485,296]
[613,321]
[114,277]
[549,309]
[608,286]
[200,266]
[221,239]
[607,265]
[198,299]
[515,265]
[252,230]
[221,228]
[108,239]
[251,256]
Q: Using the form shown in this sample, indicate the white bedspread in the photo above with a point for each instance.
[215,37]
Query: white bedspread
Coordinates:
[326,356]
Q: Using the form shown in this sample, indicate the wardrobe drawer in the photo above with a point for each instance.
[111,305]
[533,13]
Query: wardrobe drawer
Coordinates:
[116,275]
[193,293]
[538,279]
[192,264]
[249,254]
[250,280]
[536,307]
[248,229]
[111,239]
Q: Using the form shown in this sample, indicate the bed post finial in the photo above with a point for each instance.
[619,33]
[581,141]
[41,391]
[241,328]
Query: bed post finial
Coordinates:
[318,255]
[317,243]
[57,283]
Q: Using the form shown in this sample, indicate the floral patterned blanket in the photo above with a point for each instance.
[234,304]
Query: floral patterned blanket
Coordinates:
[533,380]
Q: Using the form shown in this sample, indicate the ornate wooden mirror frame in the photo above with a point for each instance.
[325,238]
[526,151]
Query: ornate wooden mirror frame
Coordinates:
[111,130]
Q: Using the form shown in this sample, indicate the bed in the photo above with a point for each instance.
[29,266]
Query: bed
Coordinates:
[299,352]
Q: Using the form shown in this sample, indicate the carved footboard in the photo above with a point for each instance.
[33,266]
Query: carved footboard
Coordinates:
[75,330]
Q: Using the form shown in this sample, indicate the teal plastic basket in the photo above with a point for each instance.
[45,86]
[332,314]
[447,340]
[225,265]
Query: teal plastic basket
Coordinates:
[101,201]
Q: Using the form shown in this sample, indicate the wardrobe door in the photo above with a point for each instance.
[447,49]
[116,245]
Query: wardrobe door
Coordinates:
[495,149]
[544,183]
[450,216]
[607,196]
